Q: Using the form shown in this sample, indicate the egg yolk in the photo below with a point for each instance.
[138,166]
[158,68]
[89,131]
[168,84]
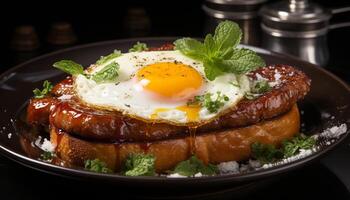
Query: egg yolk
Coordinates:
[192,112]
[171,80]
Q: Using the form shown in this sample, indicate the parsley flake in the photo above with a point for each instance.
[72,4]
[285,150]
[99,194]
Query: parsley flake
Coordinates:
[97,165]
[212,105]
[139,165]
[138,47]
[193,166]
[47,87]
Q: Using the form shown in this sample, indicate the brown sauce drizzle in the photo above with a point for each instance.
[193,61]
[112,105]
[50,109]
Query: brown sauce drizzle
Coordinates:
[192,139]
[59,136]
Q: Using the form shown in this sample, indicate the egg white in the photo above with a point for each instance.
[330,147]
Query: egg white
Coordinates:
[127,96]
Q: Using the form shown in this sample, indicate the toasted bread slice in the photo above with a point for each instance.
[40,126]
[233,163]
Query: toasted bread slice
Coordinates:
[213,147]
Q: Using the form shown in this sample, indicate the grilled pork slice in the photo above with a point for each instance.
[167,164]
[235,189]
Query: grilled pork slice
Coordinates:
[76,118]
[213,147]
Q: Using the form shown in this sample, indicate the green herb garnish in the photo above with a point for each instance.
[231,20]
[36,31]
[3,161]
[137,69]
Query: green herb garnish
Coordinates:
[107,74]
[257,88]
[97,165]
[47,155]
[269,153]
[69,67]
[104,59]
[261,87]
[211,105]
[292,146]
[138,47]
[47,87]
[139,165]
[193,166]
[266,152]
[249,95]
[219,53]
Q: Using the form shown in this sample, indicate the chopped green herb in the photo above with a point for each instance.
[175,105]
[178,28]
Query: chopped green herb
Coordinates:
[69,67]
[47,155]
[211,105]
[219,53]
[138,47]
[250,96]
[108,74]
[257,88]
[97,165]
[269,153]
[109,57]
[139,165]
[292,146]
[266,152]
[261,87]
[193,166]
[47,87]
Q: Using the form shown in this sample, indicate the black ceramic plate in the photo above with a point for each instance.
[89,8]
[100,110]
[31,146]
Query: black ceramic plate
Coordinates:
[328,94]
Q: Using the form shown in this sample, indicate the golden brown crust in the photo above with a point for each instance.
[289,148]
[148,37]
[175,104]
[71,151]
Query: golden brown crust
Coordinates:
[214,147]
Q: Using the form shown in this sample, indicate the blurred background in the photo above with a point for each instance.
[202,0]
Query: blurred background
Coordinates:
[30,29]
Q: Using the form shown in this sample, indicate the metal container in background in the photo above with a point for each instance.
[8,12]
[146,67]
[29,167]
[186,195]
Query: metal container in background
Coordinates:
[243,12]
[24,44]
[61,35]
[299,28]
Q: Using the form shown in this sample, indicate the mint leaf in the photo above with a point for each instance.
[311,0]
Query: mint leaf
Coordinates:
[219,53]
[241,61]
[193,166]
[97,165]
[191,48]
[138,47]
[139,165]
[69,67]
[108,74]
[47,87]
[104,59]
[227,35]
[211,70]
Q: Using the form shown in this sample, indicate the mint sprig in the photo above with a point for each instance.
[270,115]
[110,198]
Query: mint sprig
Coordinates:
[219,53]
[69,66]
[108,73]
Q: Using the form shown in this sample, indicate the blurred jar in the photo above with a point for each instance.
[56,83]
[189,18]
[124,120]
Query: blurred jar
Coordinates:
[243,12]
[24,44]
[137,22]
[61,35]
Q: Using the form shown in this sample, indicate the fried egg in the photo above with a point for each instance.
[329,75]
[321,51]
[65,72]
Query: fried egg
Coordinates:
[157,86]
